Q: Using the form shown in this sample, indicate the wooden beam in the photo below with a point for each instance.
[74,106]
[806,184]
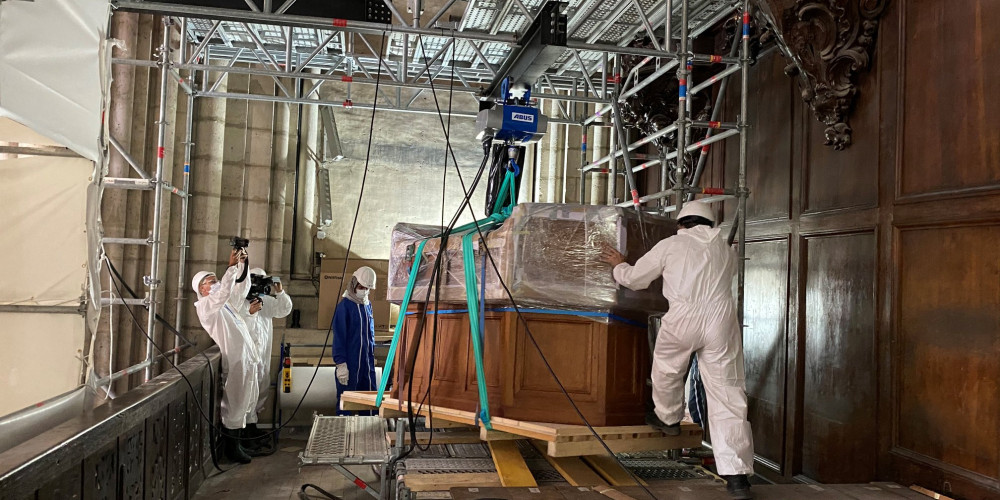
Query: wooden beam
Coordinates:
[564,440]
[350,406]
[609,469]
[510,465]
[444,482]
[593,447]
[440,437]
[932,494]
[439,423]
[494,435]
[390,413]
[573,469]
[612,493]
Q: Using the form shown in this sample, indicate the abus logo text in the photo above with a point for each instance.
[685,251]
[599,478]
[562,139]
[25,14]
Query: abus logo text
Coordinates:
[522,117]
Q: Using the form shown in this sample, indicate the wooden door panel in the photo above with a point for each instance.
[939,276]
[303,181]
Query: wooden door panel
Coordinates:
[839,393]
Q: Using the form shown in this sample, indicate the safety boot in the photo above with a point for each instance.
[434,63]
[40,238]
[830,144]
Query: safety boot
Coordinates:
[738,486]
[656,423]
[234,452]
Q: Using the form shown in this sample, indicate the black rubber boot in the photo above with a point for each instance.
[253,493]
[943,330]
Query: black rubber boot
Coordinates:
[251,431]
[256,442]
[738,486]
[656,423]
[234,452]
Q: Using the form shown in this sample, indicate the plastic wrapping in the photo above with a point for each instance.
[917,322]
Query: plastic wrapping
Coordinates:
[548,256]
[405,240]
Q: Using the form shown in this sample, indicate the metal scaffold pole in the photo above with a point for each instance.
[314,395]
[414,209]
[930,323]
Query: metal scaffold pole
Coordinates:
[153,280]
[182,258]
[683,70]
[742,190]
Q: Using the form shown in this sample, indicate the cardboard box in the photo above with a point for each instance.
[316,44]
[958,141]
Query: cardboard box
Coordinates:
[331,290]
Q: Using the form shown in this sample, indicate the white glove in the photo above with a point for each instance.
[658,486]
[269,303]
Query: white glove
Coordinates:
[342,375]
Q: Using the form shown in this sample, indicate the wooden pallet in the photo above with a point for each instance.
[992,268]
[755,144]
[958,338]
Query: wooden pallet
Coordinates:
[561,440]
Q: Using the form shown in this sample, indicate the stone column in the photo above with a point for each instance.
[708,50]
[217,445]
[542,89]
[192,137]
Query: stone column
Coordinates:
[305,223]
[257,170]
[206,192]
[598,144]
[279,182]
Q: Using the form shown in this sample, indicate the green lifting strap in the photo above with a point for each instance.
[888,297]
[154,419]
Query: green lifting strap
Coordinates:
[501,212]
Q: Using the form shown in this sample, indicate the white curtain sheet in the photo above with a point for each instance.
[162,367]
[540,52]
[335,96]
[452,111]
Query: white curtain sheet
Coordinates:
[54,67]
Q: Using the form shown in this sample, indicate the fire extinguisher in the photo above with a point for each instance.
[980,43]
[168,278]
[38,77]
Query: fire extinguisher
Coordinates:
[286,371]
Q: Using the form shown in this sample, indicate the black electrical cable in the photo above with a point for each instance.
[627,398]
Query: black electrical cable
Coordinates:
[435,274]
[520,316]
[327,494]
[435,278]
[274,431]
[350,241]
[210,418]
[437,285]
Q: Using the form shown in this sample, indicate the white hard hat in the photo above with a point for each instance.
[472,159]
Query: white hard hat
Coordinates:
[198,278]
[698,209]
[258,271]
[366,277]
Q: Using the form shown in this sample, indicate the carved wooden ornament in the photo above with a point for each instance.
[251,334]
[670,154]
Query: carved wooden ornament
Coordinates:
[830,43]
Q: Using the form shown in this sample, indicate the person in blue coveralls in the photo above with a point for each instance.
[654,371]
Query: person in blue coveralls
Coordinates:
[354,337]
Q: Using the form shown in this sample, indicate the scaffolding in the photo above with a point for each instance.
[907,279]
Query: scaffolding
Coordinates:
[312,51]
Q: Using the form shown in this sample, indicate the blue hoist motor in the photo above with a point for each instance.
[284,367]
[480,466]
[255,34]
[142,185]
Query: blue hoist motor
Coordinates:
[513,120]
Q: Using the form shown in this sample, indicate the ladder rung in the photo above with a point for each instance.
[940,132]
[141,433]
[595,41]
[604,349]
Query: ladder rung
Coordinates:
[125,241]
[128,183]
[119,301]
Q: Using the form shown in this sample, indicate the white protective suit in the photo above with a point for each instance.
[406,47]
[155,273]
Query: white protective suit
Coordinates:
[262,331]
[219,315]
[698,268]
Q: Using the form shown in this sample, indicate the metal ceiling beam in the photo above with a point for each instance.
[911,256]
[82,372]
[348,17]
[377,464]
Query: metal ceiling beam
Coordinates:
[440,13]
[540,47]
[298,21]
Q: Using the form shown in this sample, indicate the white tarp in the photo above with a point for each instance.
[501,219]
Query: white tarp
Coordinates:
[50,69]
[42,357]
[43,242]
[11,131]
[44,245]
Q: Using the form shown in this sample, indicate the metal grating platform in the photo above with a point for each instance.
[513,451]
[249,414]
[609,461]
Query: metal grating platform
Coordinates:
[472,450]
[449,465]
[662,469]
[346,440]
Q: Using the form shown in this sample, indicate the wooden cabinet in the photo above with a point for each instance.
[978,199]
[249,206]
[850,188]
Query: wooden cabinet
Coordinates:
[602,364]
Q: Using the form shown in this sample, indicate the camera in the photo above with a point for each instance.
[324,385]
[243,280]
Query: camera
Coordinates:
[260,286]
[239,243]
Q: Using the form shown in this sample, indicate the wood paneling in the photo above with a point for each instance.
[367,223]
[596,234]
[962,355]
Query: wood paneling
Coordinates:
[494,323]
[949,346]
[844,179]
[839,362]
[602,364]
[949,116]
[769,154]
[890,372]
[569,347]
[765,344]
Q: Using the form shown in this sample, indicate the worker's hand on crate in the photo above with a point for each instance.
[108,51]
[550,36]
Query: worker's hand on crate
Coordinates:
[612,257]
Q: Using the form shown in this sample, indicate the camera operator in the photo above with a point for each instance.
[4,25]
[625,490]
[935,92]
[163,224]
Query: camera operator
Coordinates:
[262,330]
[218,305]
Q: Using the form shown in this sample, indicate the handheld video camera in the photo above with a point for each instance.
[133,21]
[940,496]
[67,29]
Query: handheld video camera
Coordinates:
[261,285]
[239,243]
